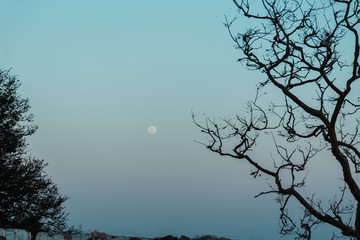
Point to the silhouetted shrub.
(168, 237)
(209, 237)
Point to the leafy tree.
(308, 52)
(28, 198)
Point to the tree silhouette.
(309, 53)
(28, 198)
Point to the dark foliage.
(171, 237)
(209, 237)
(28, 198)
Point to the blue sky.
(97, 74)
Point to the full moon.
(152, 130)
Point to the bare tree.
(309, 50)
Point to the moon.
(152, 130)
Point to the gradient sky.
(97, 74)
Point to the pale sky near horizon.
(98, 74)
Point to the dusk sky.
(98, 74)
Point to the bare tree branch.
(299, 47)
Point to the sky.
(98, 74)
